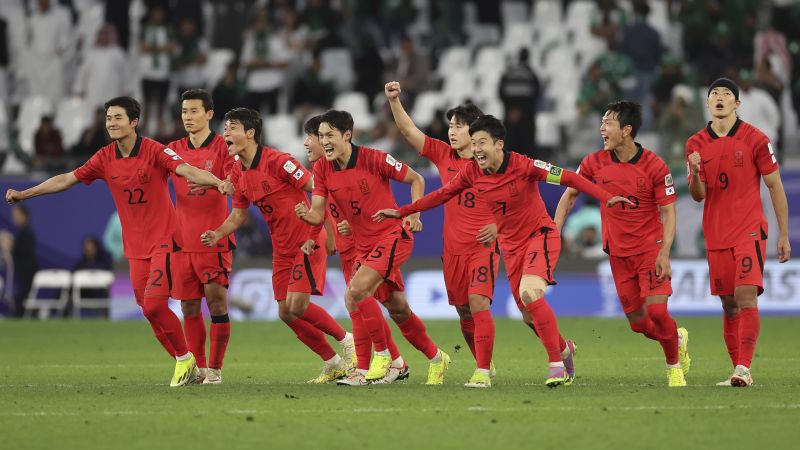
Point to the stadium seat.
(425, 107)
(459, 86)
(90, 279)
(30, 117)
(53, 280)
(216, 65)
(73, 115)
(281, 132)
(517, 36)
(546, 13)
(357, 104)
(337, 66)
(547, 134)
(453, 59)
(514, 12)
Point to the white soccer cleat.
(356, 378)
(349, 351)
(741, 377)
(201, 376)
(394, 374)
(726, 382)
(213, 376)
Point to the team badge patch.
(265, 185)
(390, 160)
(641, 185)
(209, 165)
(668, 180)
(541, 164)
(398, 166)
(671, 190)
(299, 174)
(289, 167)
(144, 177)
(738, 159)
(363, 186)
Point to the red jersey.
(202, 210)
(512, 194)
(138, 185)
(360, 190)
(732, 167)
(645, 180)
(274, 182)
(344, 243)
(463, 216)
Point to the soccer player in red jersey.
(357, 180)
(727, 160)
(275, 182)
(136, 169)
(636, 240)
(346, 245)
(470, 256)
(202, 271)
(507, 183)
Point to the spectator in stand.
(93, 138)
(311, 92)
(23, 256)
(677, 123)
(370, 82)
(93, 257)
(759, 109)
(104, 72)
(596, 92)
(412, 70)
(607, 20)
(642, 44)
(156, 45)
(519, 91)
(265, 56)
(323, 23)
(670, 74)
(228, 94)
(192, 53)
(50, 33)
(47, 146)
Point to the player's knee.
(357, 292)
(286, 315)
(297, 309)
(191, 308)
(152, 309)
(464, 312)
(218, 308)
(657, 312)
(531, 295)
(478, 303)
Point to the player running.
(470, 256)
(346, 245)
(202, 271)
(727, 160)
(636, 240)
(357, 178)
(275, 182)
(136, 169)
(507, 183)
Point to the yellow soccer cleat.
(479, 380)
(185, 372)
(437, 369)
(556, 376)
(683, 350)
(378, 367)
(675, 377)
(330, 373)
(349, 352)
(492, 369)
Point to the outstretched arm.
(430, 201)
(200, 177)
(413, 135)
(565, 206)
(781, 207)
(52, 185)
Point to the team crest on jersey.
(265, 185)
(289, 167)
(641, 185)
(738, 159)
(363, 186)
(209, 164)
(512, 188)
(144, 177)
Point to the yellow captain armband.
(554, 175)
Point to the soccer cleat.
(356, 378)
(378, 367)
(201, 376)
(330, 373)
(675, 377)
(213, 376)
(436, 370)
(349, 352)
(741, 377)
(556, 376)
(569, 362)
(683, 350)
(479, 380)
(185, 372)
(492, 369)
(726, 382)
(394, 374)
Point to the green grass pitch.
(82, 385)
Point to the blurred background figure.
(156, 45)
(519, 91)
(24, 258)
(265, 56)
(105, 70)
(48, 147)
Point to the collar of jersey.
(134, 152)
(636, 157)
(503, 165)
(256, 160)
(731, 132)
(205, 143)
(351, 163)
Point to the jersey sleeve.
(461, 181)
(239, 199)
(542, 171)
(227, 164)
(168, 159)
(93, 169)
(586, 170)
(663, 184)
(764, 157)
(387, 166)
(293, 172)
(434, 149)
(320, 180)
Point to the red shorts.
(302, 274)
(737, 266)
(151, 277)
(194, 270)
(472, 274)
(635, 279)
(386, 257)
(540, 259)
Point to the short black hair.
(199, 94)
(339, 120)
(131, 106)
(312, 125)
(466, 113)
(627, 113)
(249, 118)
(489, 124)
